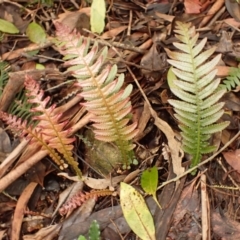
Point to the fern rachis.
(192, 79)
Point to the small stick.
(202, 163)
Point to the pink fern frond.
(100, 88)
(78, 199)
(49, 131)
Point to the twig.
(230, 177)
(202, 163)
(116, 44)
(12, 157)
(214, 9)
(130, 23)
(205, 209)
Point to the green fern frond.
(21, 108)
(192, 80)
(101, 90)
(93, 233)
(232, 80)
(3, 75)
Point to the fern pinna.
(101, 90)
(192, 79)
(232, 80)
(45, 130)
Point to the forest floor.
(40, 199)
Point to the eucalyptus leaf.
(98, 13)
(36, 33)
(7, 27)
(136, 212)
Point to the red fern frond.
(78, 199)
(49, 132)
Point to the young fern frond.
(101, 90)
(49, 132)
(192, 80)
(232, 80)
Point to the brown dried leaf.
(113, 32)
(174, 145)
(19, 211)
(103, 183)
(233, 159)
(47, 233)
(233, 8)
(192, 6)
(37, 173)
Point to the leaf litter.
(131, 29)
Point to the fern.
(93, 233)
(232, 80)
(49, 132)
(101, 90)
(192, 79)
(3, 75)
(21, 107)
(78, 199)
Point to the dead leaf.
(174, 145)
(5, 143)
(37, 173)
(192, 6)
(232, 101)
(225, 227)
(226, 136)
(103, 183)
(188, 203)
(131, 176)
(232, 22)
(233, 8)
(233, 159)
(142, 122)
(19, 211)
(7, 206)
(155, 59)
(2, 233)
(75, 20)
(113, 32)
(47, 233)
